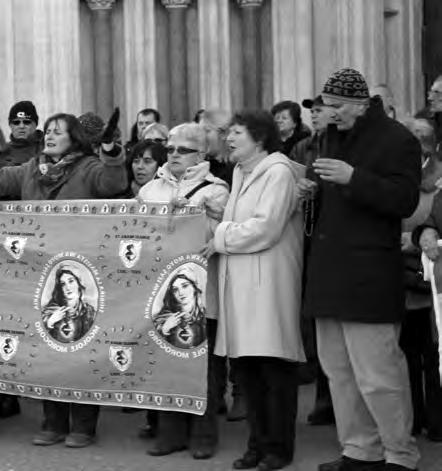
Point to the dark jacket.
(434, 220)
(298, 135)
(355, 268)
(435, 120)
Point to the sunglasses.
(157, 140)
(17, 122)
(180, 150)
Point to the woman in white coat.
(260, 242)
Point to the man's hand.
(428, 243)
(307, 188)
(333, 170)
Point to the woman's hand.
(179, 202)
(307, 188)
(172, 321)
(428, 243)
(57, 316)
(214, 209)
(208, 250)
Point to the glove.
(109, 130)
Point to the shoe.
(238, 410)
(397, 467)
(349, 464)
(250, 460)
(322, 416)
(9, 406)
(203, 452)
(47, 438)
(78, 440)
(146, 431)
(270, 462)
(164, 450)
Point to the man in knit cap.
(368, 180)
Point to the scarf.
(51, 172)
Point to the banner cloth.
(103, 302)
(433, 273)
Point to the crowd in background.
(313, 237)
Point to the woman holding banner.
(260, 246)
(68, 169)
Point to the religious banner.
(103, 302)
(433, 273)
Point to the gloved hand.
(109, 131)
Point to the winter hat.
(93, 127)
(309, 103)
(23, 110)
(346, 85)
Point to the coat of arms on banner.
(15, 246)
(130, 251)
(121, 357)
(8, 346)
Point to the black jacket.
(355, 268)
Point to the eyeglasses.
(180, 150)
(17, 122)
(157, 140)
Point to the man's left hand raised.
(333, 170)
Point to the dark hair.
(157, 116)
(158, 152)
(57, 293)
(198, 115)
(293, 108)
(170, 303)
(80, 142)
(261, 127)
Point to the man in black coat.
(368, 181)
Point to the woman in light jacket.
(260, 242)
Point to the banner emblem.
(121, 357)
(77, 394)
(15, 246)
(57, 392)
(21, 388)
(140, 398)
(158, 400)
(98, 396)
(179, 401)
(119, 396)
(130, 251)
(8, 346)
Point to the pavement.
(119, 449)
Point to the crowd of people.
(313, 241)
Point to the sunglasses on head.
(157, 140)
(180, 150)
(17, 122)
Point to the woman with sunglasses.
(186, 178)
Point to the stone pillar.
(102, 34)
(293, 54)
(177, 60)
(251, 52)
(214, 54)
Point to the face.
(143, 120)
(144, 168)
(214, 137)
(184, 292)
(321, 117)
(344, 114)
(22, 128)
(241, 144)
(155, 136)
(57, 139)
(285, 122)
(435, 97)
(181, 155)
(69, 287)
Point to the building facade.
(182, 55)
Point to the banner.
(433, 273)
(103, 302)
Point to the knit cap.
(346, 85)
(93, 127)
(23, 110)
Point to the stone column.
(102, 34)
(177, 60)
(214, 54)
(251, 52)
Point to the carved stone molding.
(100, 4)
(176, 3)
(249, 3)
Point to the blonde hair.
(193, 133)
(158, 127)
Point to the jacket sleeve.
(433, 221)
(220, 195)
(108, 174)
(264, 228)
(11, 179)
(394, 193)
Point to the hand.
(57, 316)
(179, 202)
(428, 243)
(406, 243)
(109, 131)
(208, 250)
(2, 141)
(307, 188)
(214, 209)
(172, 321)
(333, 170)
